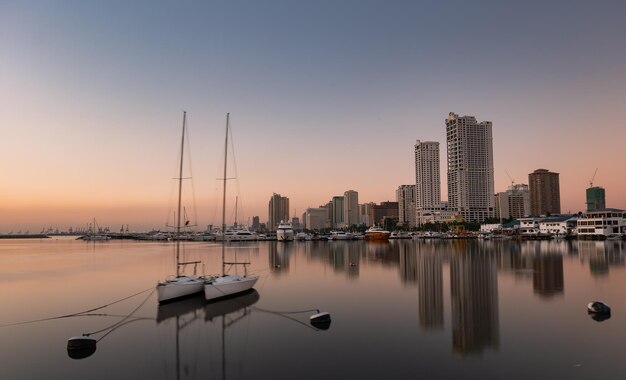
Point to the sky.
(324, 97)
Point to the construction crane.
(511, 178)
(592, 178)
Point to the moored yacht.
(377, 233)
(284, 232)
(340, 235)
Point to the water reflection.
(474, 295)
(601, 255)
(430, 279)
(279, 255)
(548, 275)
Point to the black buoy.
(321, 320)
(598, 307)
(80, 347)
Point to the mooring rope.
(79, 313)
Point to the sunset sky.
(324, 96)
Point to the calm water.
(404, 310)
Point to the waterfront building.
(337, 211)
(386, 210)
(427, 179)
(351, 208)
(513, 203)
(256, 223)
(545, 198)
(405, 195)
(558, 224)
(470, 168)
(315, 218)
(366, 217)
(595, 198)
(278, 210)
(602, 223)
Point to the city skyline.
(321, 101)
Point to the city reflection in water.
(430, 280)
(474, 291)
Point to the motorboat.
(237, 235)
(400, 235)
(303, 236)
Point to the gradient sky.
(325, 96)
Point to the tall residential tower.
(545, 195)
(470, 168)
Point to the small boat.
(598, 307)
(400, 235)
(284, 231)
(340, 235)
(377, 233)
(303, 236)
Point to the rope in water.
(79, 313)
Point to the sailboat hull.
(228, 285)
(179, 287)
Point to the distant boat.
(377, 233)
(284, 232)
(227, 285)
(180, 285)
(94, 233)
(340, 235)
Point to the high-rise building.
(386, 210)
(256, 223)
(315, 218)
(545, 195)
(470, 168)
(278, 210)
(513, 203)
(337, 211)
(595, 199)
(427, 180)
(351, 208)
(366, 217)
(405, 195)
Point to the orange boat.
(377, 233)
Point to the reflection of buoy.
(321, 320)
(80, 347)
(277, 266)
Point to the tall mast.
(180, 189)
(224, 195)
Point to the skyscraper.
(351, 208)
(470, 167)
(405, 195)
(278, 210)
(427, 180)
(545, 195)
(337, 211)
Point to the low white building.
(602, 223)
(560, 224)
(529, 226)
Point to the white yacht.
(284, 232)
(239, 235)
(340, 235)
(303, 236)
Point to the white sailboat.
(227, 284)
(180, 285)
